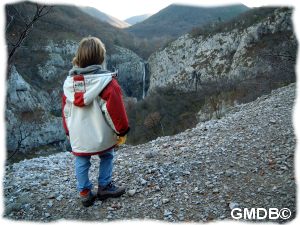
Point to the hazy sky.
(125, 9)
(122, 9)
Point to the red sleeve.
(114, 109)
(63, 114)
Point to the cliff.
(38, 68)
(249, 47)
(131, 68)
(33, 105)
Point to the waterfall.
(144, 79)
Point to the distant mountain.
(104, 17)
(176, 20)
(137, 19)
(69, 23)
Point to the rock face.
(263, 50)
(131, 69)
(59, 59)
(33, 110)
(46, 75)
(245, 159)
(28, 115)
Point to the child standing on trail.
(94, 119)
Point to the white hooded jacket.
(89, 105)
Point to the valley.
(188, 78)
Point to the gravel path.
(245, 160)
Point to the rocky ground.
(245, 160)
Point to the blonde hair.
(91, 51)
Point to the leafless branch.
(19, 127)
(40, 11)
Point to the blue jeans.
(82, 166)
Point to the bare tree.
(22, 136)
(13, 14)
(283, 61)
(21, 128)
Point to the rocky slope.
(29, 114)
(245, 159)
(33, 101)
(259, 45)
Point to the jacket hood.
(93, 69)
(83, 85)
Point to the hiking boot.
(87, 197)
(110, 191)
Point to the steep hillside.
(176, 20)
(42, 63)
(257, 49)
(104, 17)
(137, 19)
(245, 159)
(69, 23)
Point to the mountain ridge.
(105, 17)
(137, 19)
(176, 19)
